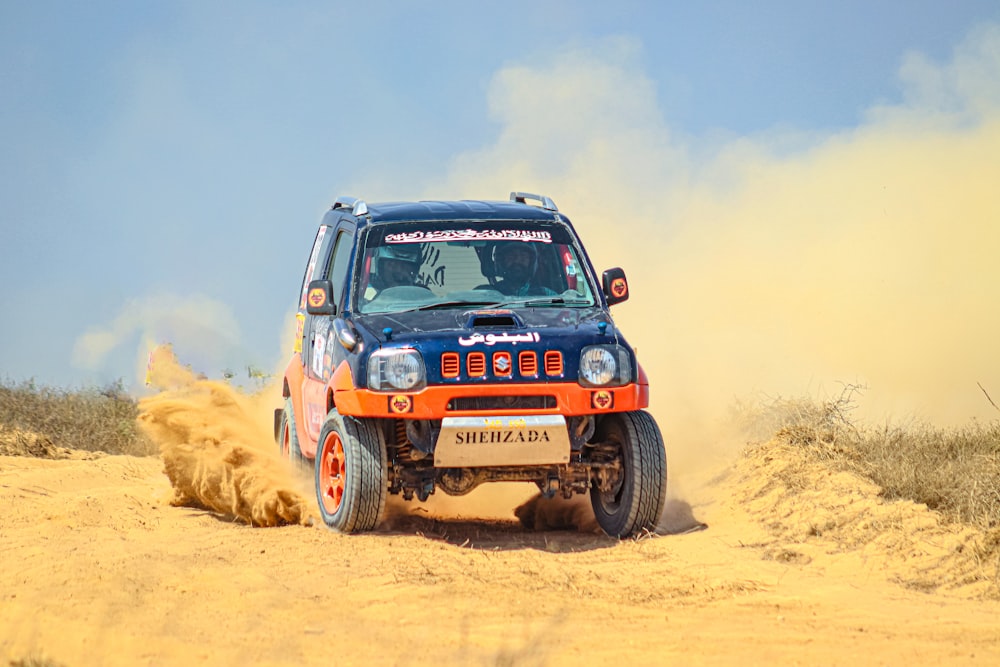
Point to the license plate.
(501, 441)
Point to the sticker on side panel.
(319, 349)
(328, 357)
(300, 325)
(603, 399)
(401, 404)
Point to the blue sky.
(165, 164)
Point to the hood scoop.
(494, 319)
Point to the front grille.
(502, 364)
(553, 363)
(475, 364)
(450, 365)
(484, 403)
(527, 363)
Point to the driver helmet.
(515, 262)
(396, 265)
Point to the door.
(321, 351)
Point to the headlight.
(604, 366)
(396, 369)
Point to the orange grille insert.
(527, 362)
(450, 365)
(475, 364)
(553, 362)
(503, 364)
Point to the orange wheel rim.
(333, 473)
(286, 440)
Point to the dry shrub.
(91, 419)
(797, 420)
(955, 472)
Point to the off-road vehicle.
(441, 345)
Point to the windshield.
(411, 265)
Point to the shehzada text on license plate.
(492, 441)
(495, 431)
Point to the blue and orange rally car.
(441, 345)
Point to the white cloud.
(964, 90)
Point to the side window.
(339, 264)
(311, 331)
(311, 266)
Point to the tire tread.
(367, 480)
(648, 472)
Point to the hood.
(418, 325)
(559, 334)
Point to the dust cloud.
(206, 329)
(556, 513)
(218, 448)
(784, 264)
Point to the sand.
(105, 562)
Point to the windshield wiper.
(453, 304)
(529, 302)
(544, 301)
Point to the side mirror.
(319, 298)
(615, 286)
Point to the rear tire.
(288, 437)
(351, 473)
(635, 502)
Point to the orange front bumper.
(432, 402)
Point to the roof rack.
(357, 206)
(521, 197)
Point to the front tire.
(351, 473)
(634, 502)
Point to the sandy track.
(97, 568)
